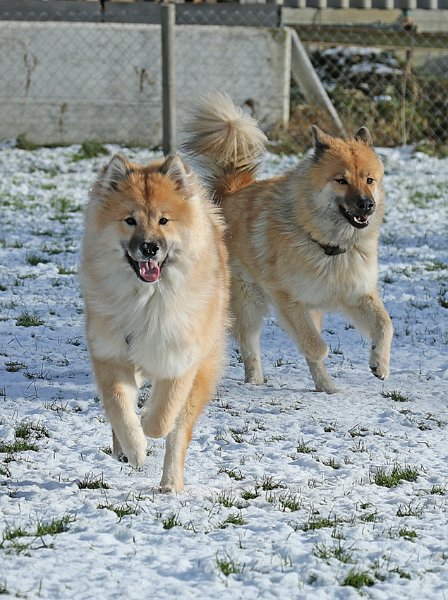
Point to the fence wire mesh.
(70, 82)
(391, 78)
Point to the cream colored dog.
(155, 284)
(307, 242)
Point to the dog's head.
(350, 174)
(145, 212)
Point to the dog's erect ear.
(117, 170)
(321, 140)
(363, 135)
(177, 171)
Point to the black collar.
(329, 249)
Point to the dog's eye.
(342, 181)
(370, 180)
(163, 221)
(131, 221)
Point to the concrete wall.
(72, 82)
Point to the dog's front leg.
(163, 416)
(167, 398)
(370, 316)
(298, 321)
(321, 378)
(179, 437)
(304, 325)
(118, 391)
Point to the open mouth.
(148, 271)
(358, 221)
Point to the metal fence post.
(168, 20)
(305, 75)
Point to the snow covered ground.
(289, 494)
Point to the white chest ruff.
(336, 281)
(148, 330)
(161, 348)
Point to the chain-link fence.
(393, 80)
(71, 72)
(392, 77)
(70, 82)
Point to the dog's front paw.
(326, 386)
(379, 362)
(253, 373)
(170, 488)
(134, 452)
(167, 489)
(380, 371)
(255, 379)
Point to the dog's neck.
(329, 249)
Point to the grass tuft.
(64, 271)
(27, 319)
(229, 501)
(54, 526)
(394, 395)
(358, 579)
(268, 483)
(232, 473)
(408, 534)
(121, 510)
(12, 534)
(250, 494)
(19, 445)
(409, 510)
(90, 149)
(290, 502)
(395, 476)
(337, 551)
(233, 519)
(35, 259)
(13, 366)
(171, 521)
(90, 482)
(320, 523)
(303, 448)
(29, 429)
(228, 566)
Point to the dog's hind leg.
(249, 306)
(179, 437)
(118, 391)
(370, 317)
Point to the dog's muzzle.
(359, 216)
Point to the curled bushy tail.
(227, 138)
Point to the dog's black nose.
(365, 205)
(149, 249)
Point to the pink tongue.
(149, 271)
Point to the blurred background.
(78, 71)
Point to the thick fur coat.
(306, 242)
(154, 278)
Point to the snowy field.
(290, 494)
